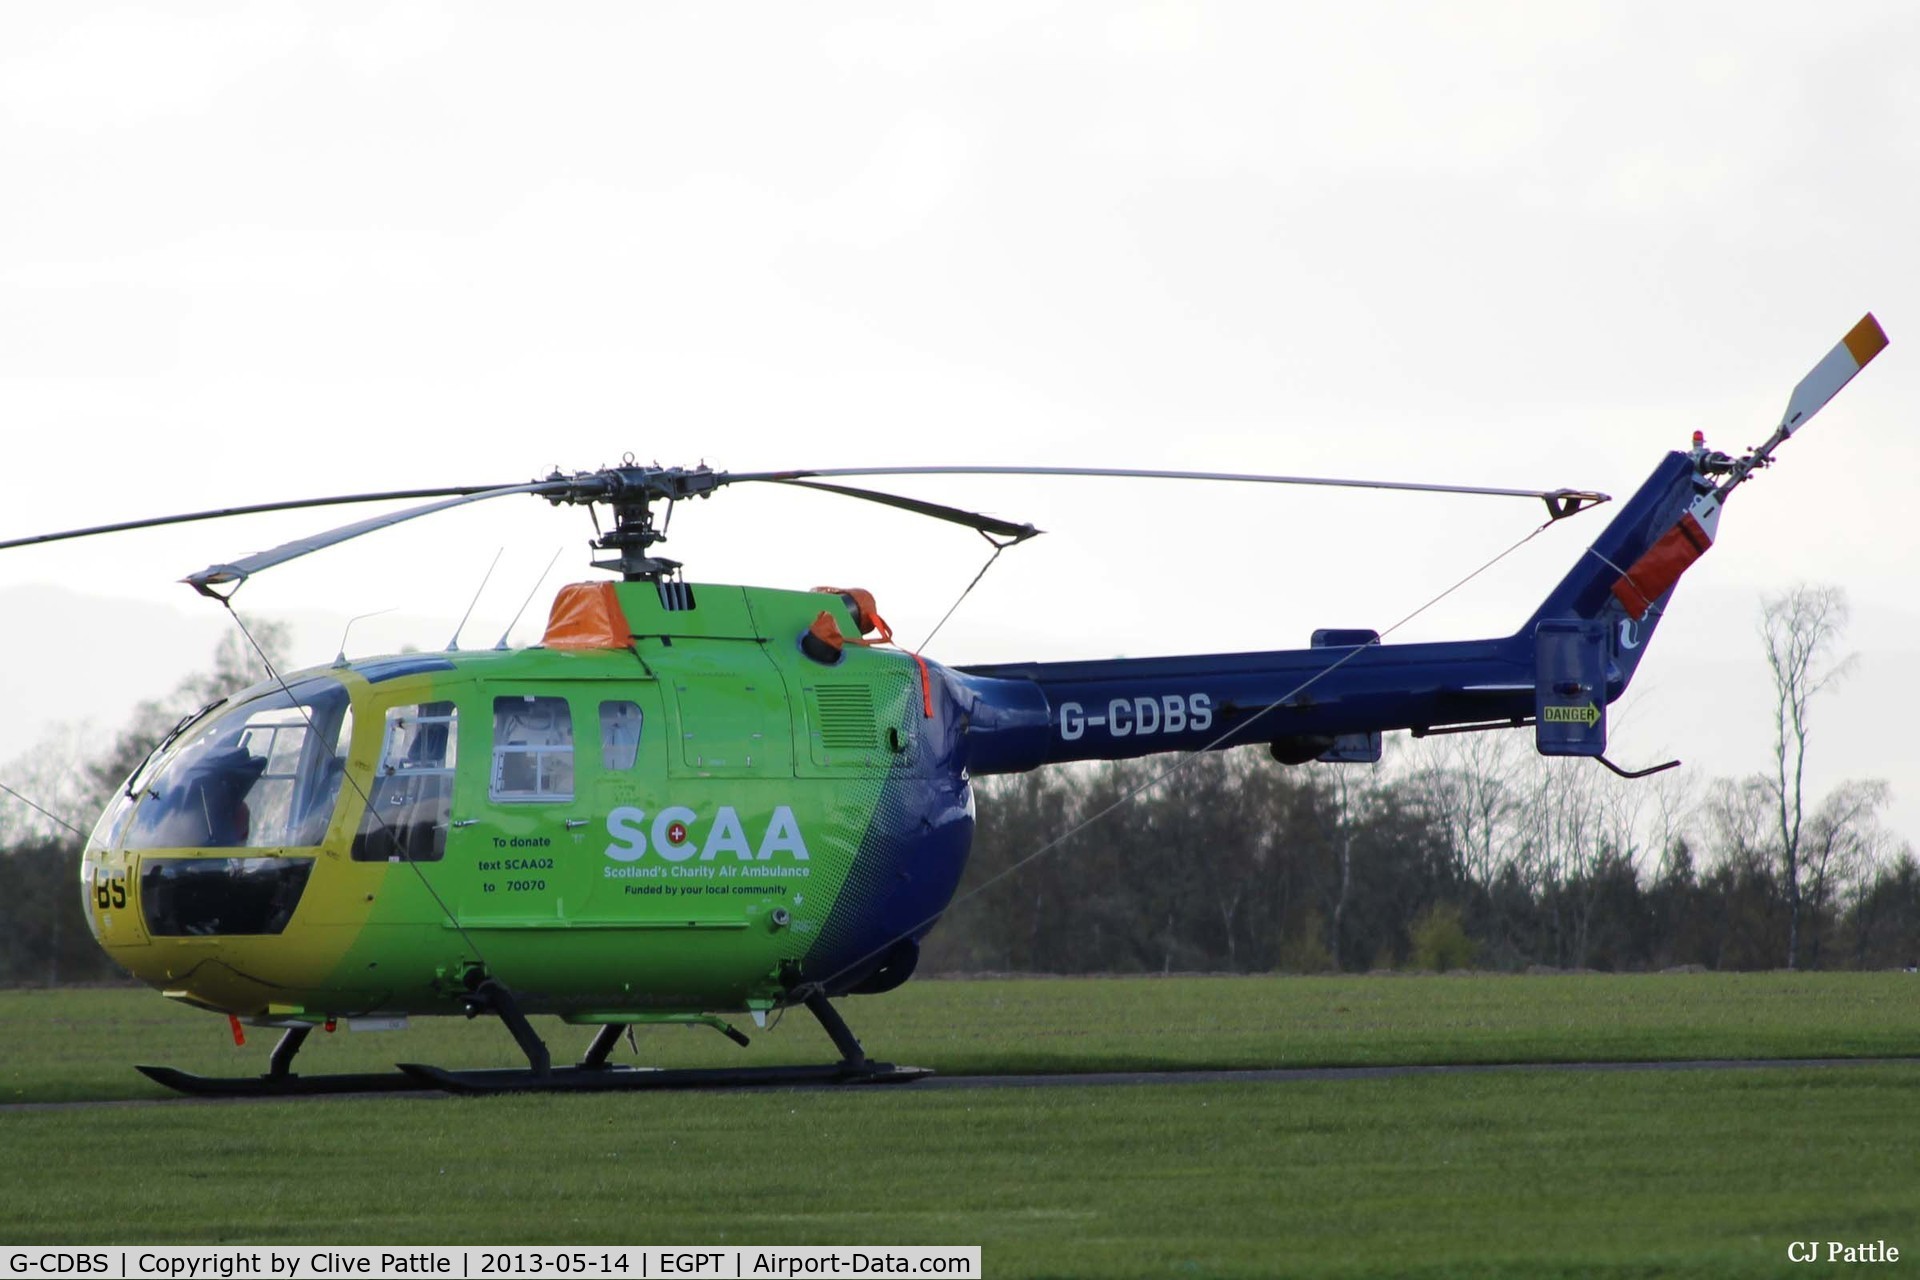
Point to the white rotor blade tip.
(1862, 343)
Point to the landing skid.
(610, 1079)
(591, 1075)
(285, 1086)
(280, 1081)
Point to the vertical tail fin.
(1626, 577)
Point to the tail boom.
(1300, 701)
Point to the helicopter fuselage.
(695, 820)
(683, 802)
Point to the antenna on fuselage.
(454, 643)
(340, 659)
(529, 600)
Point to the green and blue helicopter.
(693, 801)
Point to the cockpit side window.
(412, 798)
(262, 774)
(619, 735)
(532, 749)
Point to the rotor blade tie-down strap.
(867, 618)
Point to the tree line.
(1456, 850)
(1453, 853)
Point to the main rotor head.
(630, 491)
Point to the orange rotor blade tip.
(1866, 339)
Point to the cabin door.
(554, 760)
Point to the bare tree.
(1802, 629)
(1738, 814)
(1473, 786)
(49, 796)
(1844, 839)
(1563, 820)
(1339, 833)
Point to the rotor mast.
(630, 492)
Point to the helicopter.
(691, 801)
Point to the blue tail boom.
(1301, 701)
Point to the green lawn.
(1656, 1173)
(1508, 1174)
(81, 1044)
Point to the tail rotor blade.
(1835, 370)
(1823, 382)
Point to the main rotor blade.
(1836, 369)
(1580, 497)
(402, 495)
(971, 519)
(240, 570)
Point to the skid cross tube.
(491, 997)
(604, 1040)
(851, 1054)
(280, 1063)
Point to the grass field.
(1515, 1174)
(80, 1044)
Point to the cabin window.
(263, 774)
(197, 897)
(532, 749)
(406, 819)
(619, 735)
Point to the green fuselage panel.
(664, 827)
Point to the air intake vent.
(844, 716)
(675, 596)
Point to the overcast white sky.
(261, 251)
